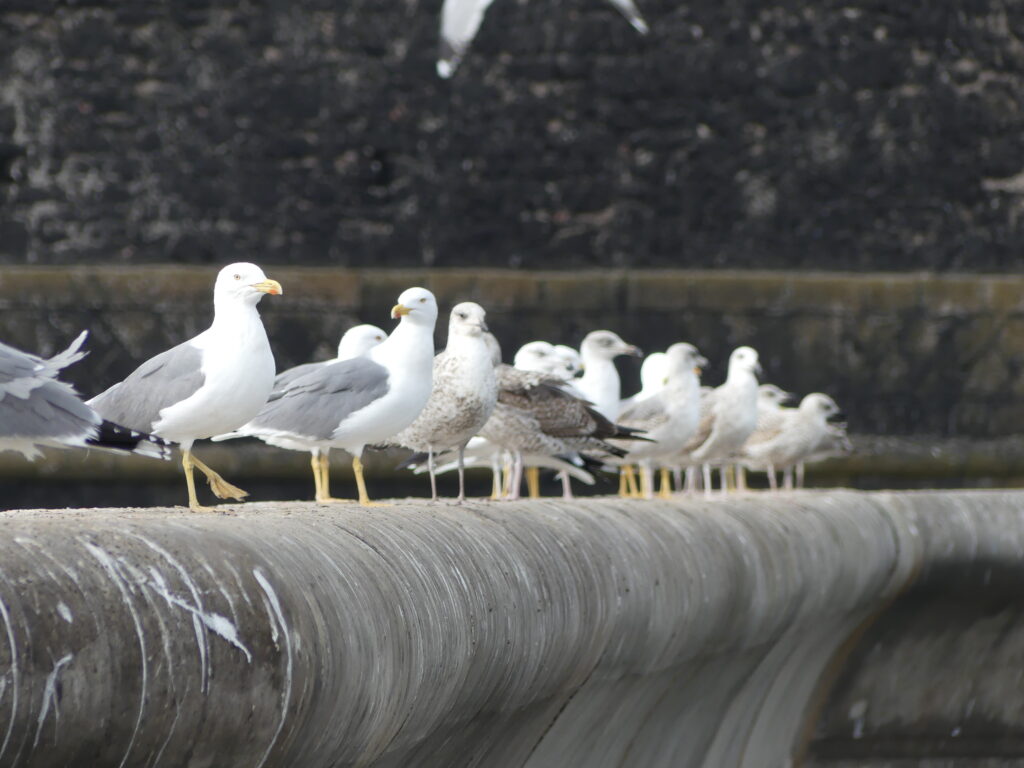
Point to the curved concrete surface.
(596, 633)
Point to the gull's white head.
(467, 319)
(358, 340)
(771, 396)
(417, 306)
(681, 358)
(570, 359)
(606, 345)
(654, 372)
(744, 359)
(819, 406)
(537, 356)
(243, 282)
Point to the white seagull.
(360, 401)
(37, 409)
(600, 383)
(729, 415)
(209, 384)
(465, 392)
(460, 20)
(794, 437)
(355, 342)
(669, 418)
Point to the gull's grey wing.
(314, 405)
(21, 372)
(645, 414)
(628, 9)
(49, 412)
(460, 20)
(285, 378)
(706, 423)
(161, 381)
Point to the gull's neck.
(410, 344)
(600, 383)
(231, 313)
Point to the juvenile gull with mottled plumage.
(464, 394)
(209, 384)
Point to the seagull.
(556, 360)
(464, 394)
(38, 409)
(793, 436)
(653, 377)
(535, 415)
(209, 384)
(460, 20)
(728, 415)
(770, 399)
(668, 418)
(833, 444)
(355, 342)
(600, 382)
(356, 402)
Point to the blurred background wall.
(839, 184)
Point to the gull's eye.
(423, 300)
(461, 315)
(237, 277)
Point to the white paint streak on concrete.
(220, 588)
(238, 582)
(65, 612)
(219, 625)
(197, 625)
(5, 614)
(50, 699)
(277, 617)
(110, 566)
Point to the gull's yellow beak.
(398, 310)
(269, 286)
(698, 370)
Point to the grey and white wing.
(38, 409)
(628, 9)
(460, 20)
(314, 405)
(285, 378)
(645, 414)
(161, 381)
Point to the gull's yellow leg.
(364, 499)
(665, 492)
(322, 471)
(193, 502)
(495, 483)
(623, 486)
(221, 487)
(632, 490)
(645, 483)
(507, 482)
(533, 482)
(314, 462)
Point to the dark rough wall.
(839, 134)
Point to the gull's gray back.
(161, 381)
(313, 405)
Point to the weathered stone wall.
(834, 134)
(594, 634)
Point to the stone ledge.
(487, 634)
